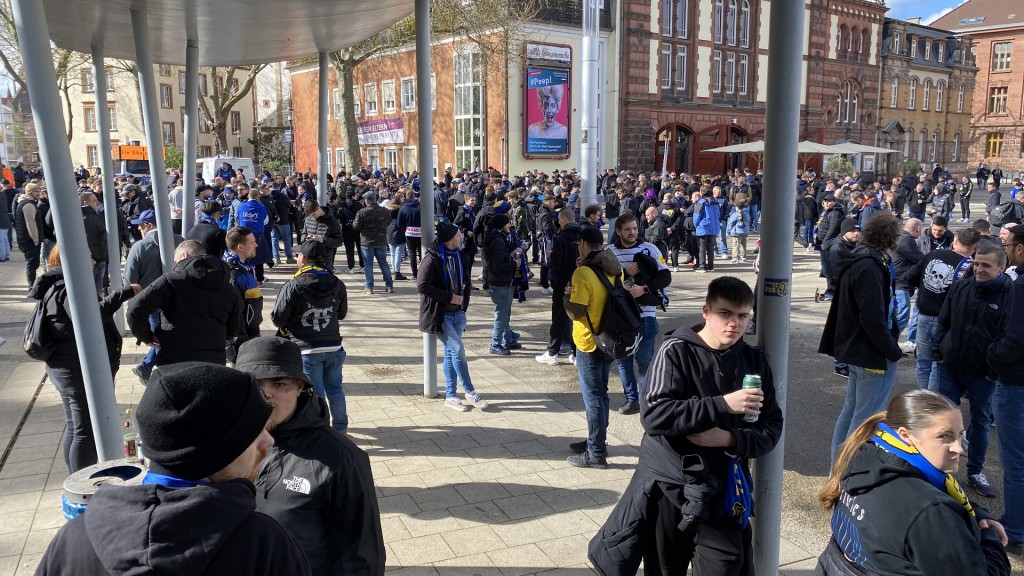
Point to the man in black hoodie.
(204, 428)
(907, 254)
(690, 498)
(861, 329)
(499, 269)
(308, 311)
(96, 238)
(562, 264)
(315, 481)
(199, 309)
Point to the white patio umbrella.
(853, 148)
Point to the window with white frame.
(730, 73)
(236, 151)
(934, 152)
(433, 91)
(357, 103)
(373, 158)
(236, 122)
(894, 94)
(913, 94)
(410, 161)
(181, 82)
(927, 94)
(956, 147)
(666, 17)
(341, 162)
(89, 114)
(960, 98)
(370, 93)
(468, 98)
(741, 74)
(941, 49)
(112, 111)
(907, 139)
(391, 159)
(730, 23)
(927, 49)
(408, 94)
(682, 18)
(913, 47)
(719, 21)
(666, 66)
(896, 43)
(168, 132)
(165, 96)
(921, 144)
(940, 94)
(94, 156)
(387, 89)
(681, 67)
(716, 72)
(745, 24)
(336, 94)
(435, 161)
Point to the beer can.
(751, 381)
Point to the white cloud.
(929, 19)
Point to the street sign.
(287, 135)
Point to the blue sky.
(928, 10)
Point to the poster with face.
(547, 112)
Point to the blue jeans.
(397, 252)
(866, 394)
(324, 371)
(380, 254)
(903, 307)
(1009, 405)
(723, 246)
(99, 272)
(918, 215)
(926, 346)
(633, 382)
(147, 363)
(5, 244)
(502, 298)
(755, 212)
(980, 392)
(809, 231)
(455, 365)
(593, 368)
(281, 232)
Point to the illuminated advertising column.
(547, 101)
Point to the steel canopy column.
(321, 141)
(191, 128)
(785, 61)
(110, 206)
(48, 116)
(154, 141)
(590, 88)
(425, 118)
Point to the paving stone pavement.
(485, 492)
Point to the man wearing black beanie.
(204, 431)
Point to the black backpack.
(42, 338)
(621, 329)
(1006, 213)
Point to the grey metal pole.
(785, 60)
(425, 117)
(154, 141)
(110, 206)
(191, 128)
(321, 141)
(589, 87)
(48, 116)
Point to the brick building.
(695, 77)
(927, 91)
(997, 122)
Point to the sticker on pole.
(777, 287)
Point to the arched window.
(719, 21)
(913, 94)
(956, 147)
(940, 94)
(863, 41)
(841, 37)
(855, 114)
(683, 18)
(848, 103)
(927, 94)
(960, 98)
(894, 96)
(849, 39)
(921, 144)
(730, 23)
(745, 24)
(933, 156)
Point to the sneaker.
(702, 271)
(140, 374)
(572, 358)
(455, 404)
(585, 460)
(499, 350)
(578, 447)
(629, 408)
(547, 291)
(401, 277)
(908, 347)
(514, 335)
(675, 268)
(513, 345)
(825, 298)
(357, 270)
(475, 399)
(546, 358)
(389, 290)
(734, 261)
(842, 372)
(980, 483)
(290, 260)
(367, 291)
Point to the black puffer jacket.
(564, 253)
(309, 308)
(199, 311)
(95, 234)
(891, 521)
(498, 262)
(973, 316)
(828, 228)
(319, 486)
(211, 235)
(907, 254)
(151, 529)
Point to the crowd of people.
(689, 389)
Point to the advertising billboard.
(547, 105)
(383, 131)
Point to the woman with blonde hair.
(896, 507)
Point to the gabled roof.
(893, 125)
(230, 32)
(983, 15)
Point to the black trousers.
(176, 226)
(352, 247)
(965, 207)
(714, 547)
(706, 248)
(31, 262)
(674, 242)
(559, 320)
(414, 248)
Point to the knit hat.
(847, 225)
(445, 231)
(271, 357)
(498, 221)
(196, 418)
(313, 250)
(591, 235)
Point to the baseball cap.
(147, 216)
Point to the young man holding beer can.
(704, 417)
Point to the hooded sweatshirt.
(585, 303)
(319, 486)
(891, 521)
(309, 308)
(199, 311)
(152, 529)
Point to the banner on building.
(547, 101)
(383, 131)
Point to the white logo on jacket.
(297, 484)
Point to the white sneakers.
(547, 291)
(908, 347)
(455, 404)
(547, 358)
(472, 397)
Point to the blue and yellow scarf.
(889, 441)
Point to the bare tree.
(221, 97)
(492, 25)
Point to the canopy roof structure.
(752, 147)
(805, 147)
(852, 148)
(230, 32)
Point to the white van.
(208, 167)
